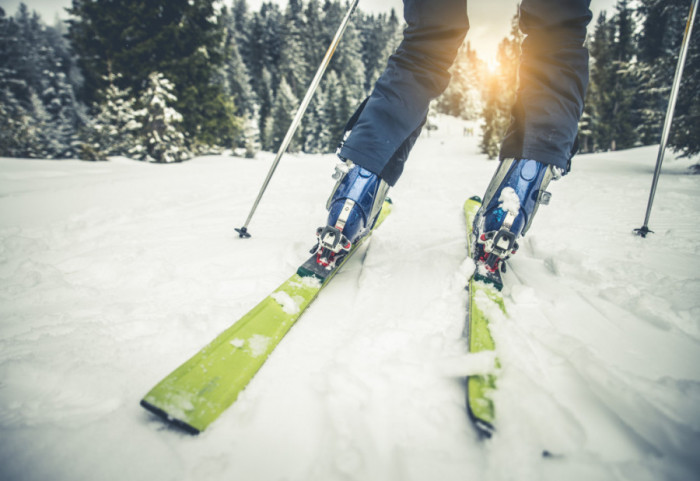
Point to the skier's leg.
(383, 130)
(541, 138)
(392, 118)
(553, 82)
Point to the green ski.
(483, 297)
(197, 392)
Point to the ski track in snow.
(112, 274)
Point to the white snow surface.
(114, 273)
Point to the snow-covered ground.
(112, 274)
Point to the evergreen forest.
(163, 81)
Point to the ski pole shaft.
(243, 231)
(644, 230)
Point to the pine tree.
(283, 110)
(315, 130)
(625, 88)
(265, 47)
(16, 131)
(182, 39)
(495, 115)
(266, 97)
(612, 102)
(313, 39)
(115, 127)
(462, 98)
(251, 135)
(292, 66)
(162, 141)
(599, 105)
(43, 142)
(347, 61)
(663, 24)
(262, 58)
(60, 103)
(336, 107)
(34, 69)
(236, 79)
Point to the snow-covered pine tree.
(336, 108)
(162, 141)
(43, 141)
(495, 115)
(251, 135)
(313, 38)
(181, 39)
(266, 98)
(35, 65)
(292, 67)
(585, 132)
(612, 101)
(315, 133)
(236, 79)
(601, 81)
(16, 132)
(58, 93)
(380, 35)
(663, 24)
(283, 110)
(263, 56)
(241, 22)
(114, 129)
(347, 61)
(462, 98)
(60, 103)
(625, 89)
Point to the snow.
(509, 201)
(288, 304)
(258, 345)
(113, 273)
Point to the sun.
(492, 65)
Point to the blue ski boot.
(510, 203)
(353, 208)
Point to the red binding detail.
(321, 262)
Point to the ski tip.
(166, 417)
(243, 233)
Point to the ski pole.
(243, 231)
(644, 230)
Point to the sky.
(489, 19)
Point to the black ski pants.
(549, 103)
